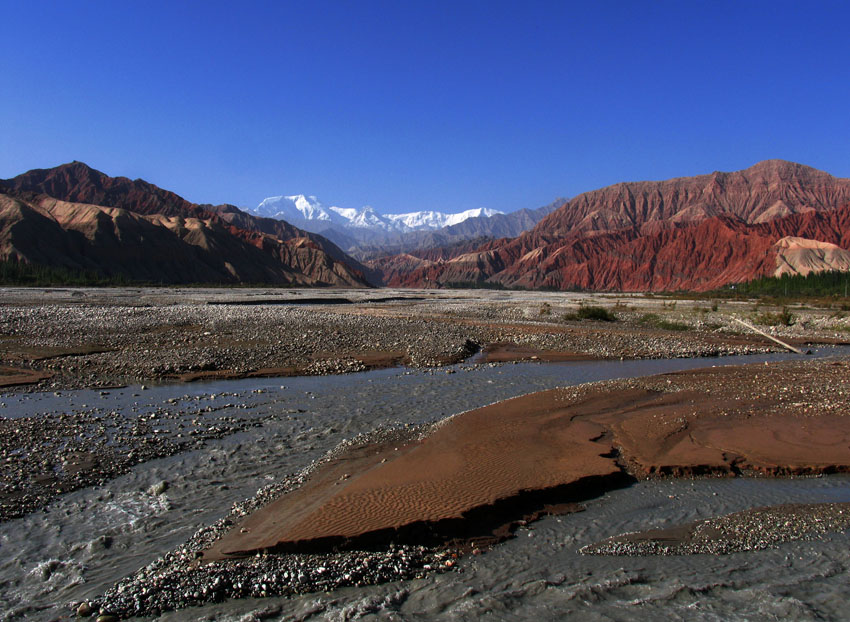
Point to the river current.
(87, 540)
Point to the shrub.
(648, 318)
(671, 325)
(783, 318)
(600, 314)
(653, 319)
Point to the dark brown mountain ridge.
(77, 182)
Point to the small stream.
(86, 540)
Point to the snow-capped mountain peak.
(296, 207)
(429, 219)
(363, 218)
(454, 219)
(413, 221)
(307, 212)
(309, 207)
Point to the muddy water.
(87, 540)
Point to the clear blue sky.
(408, 105)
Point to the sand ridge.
(470, 460)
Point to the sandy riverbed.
(473, 477)
(52, 341)
(77, 338)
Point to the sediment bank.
(702, 423)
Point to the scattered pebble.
(750, 530)
(176, 580)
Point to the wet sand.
(11, 376)
(424, 489)
(717, 421)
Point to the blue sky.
(421, 105)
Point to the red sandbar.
(471, 460)
(720, 421)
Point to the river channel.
(87, 540)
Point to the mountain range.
(686, 233)
(77, 218)
(692, 233)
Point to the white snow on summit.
(297, 207)
(308, 213)
(417, 221)
(414, 221)
(454, 219)
(363, 218)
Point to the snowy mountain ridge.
(307, 212)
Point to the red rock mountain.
(78, 218)
(686, 233)
(767, 190)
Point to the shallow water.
(87, 540)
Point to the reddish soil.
(470, 461)
(507, 352)
(11, 376)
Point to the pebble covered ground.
(750, 530)
(101, 338)
(47, 455)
